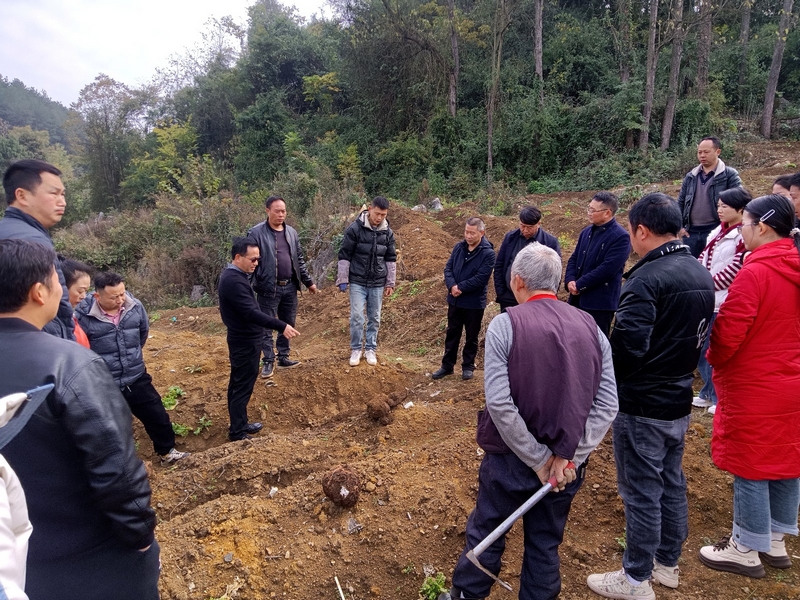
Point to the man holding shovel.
(550, 398)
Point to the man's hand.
(455, 292)
(573, 288)
(388, 291)
(563, 475)
(683, 233)
(342, 287)
(544, 473)
(313, 289)
(290, 332)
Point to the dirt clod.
(378, 410)
(342, 486)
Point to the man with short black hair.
(87, 492)
(117, 327)
(662, 320)
(529, 231)
(245, 322)
(466, 276)
(794, 193)
(35, 197)
(368, 264)
(700, 192)
(594, 271)
(280, 272)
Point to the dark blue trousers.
(504, 484)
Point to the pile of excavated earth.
(251, 519)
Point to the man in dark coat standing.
(36, 202)
(529, 231)
(466, 276)
(246, 323)
(594, 271)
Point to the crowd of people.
(716, 288)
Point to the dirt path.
(249, 520)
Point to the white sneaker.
(173, 456)
(701, 402)
(666, 576)
(725, 555)
(616, 585)
(712, 410)
(777, 557)
(372, 359)
(355, 358)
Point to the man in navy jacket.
(594, 271)
(529, 231)
(466, 276)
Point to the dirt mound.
(250, 520)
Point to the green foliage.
(170, 399)
(203, 423)
(432, 587)
(21, 106)
(181, 429)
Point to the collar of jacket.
(671, 247)
(720, 168)
(96, 312)
(363, 218)
(14, 324)
(12, 212)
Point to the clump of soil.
(379, 410)
(342, 486)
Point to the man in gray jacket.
(35, 196)
(277, 279)
(117, 327)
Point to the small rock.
(228, 557)
(436, 205)
(420, 208)
(370, 487)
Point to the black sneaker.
(286, 363)
(242, 437)
(253, 428)
(466, 374)
(266, 371)
(442, 372)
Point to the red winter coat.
(755, 352)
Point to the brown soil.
(250, 519)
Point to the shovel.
(473, 554)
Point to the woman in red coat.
(755, 352)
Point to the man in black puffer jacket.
(87, 491)
(368, 263)
(466, 276)
(117, 327)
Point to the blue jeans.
(763, 507)
(708, 392)
(371, 298)
(282, 305)
(650, 479)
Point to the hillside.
(249, 520)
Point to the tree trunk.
(744, 39)
(502, 19)
(456, 67)
(538, 9)
(625, 50)
(674, 73)
(650, 83)
(703, 48)
(775, 68)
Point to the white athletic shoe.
(701, 402)
(725, 555)
(666, 576)
(616, 585)
(355, 358)
(372, 360)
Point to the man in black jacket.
(277, 278)
(466, 276)
(594, 271)
(246, 323)
(700, 192)
(35, 196)
(87, 491)
(368, 264)
(662, 320)
(529, 231)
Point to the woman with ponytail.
(755, 353)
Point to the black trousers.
(504, 484)
(697, 238)
(470, 320)
(145, 403)
(283, 305)
(244, 372)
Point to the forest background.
(483, 100)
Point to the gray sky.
(59, 46)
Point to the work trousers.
(244, 372)
(282, 305)
(468, 319)
(145, 403)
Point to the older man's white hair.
(539, 267)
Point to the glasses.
(254, 260)
(591, 210)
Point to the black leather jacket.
(662, 321)
(266, 272)
(84, 484)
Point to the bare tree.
(704, 36)
(775, 68)
(625, 52)
(456, 66)
(538, 9)
(650, 81)
(674, 72)
(502, 20)
(744, 40)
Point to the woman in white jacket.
(723, 256)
